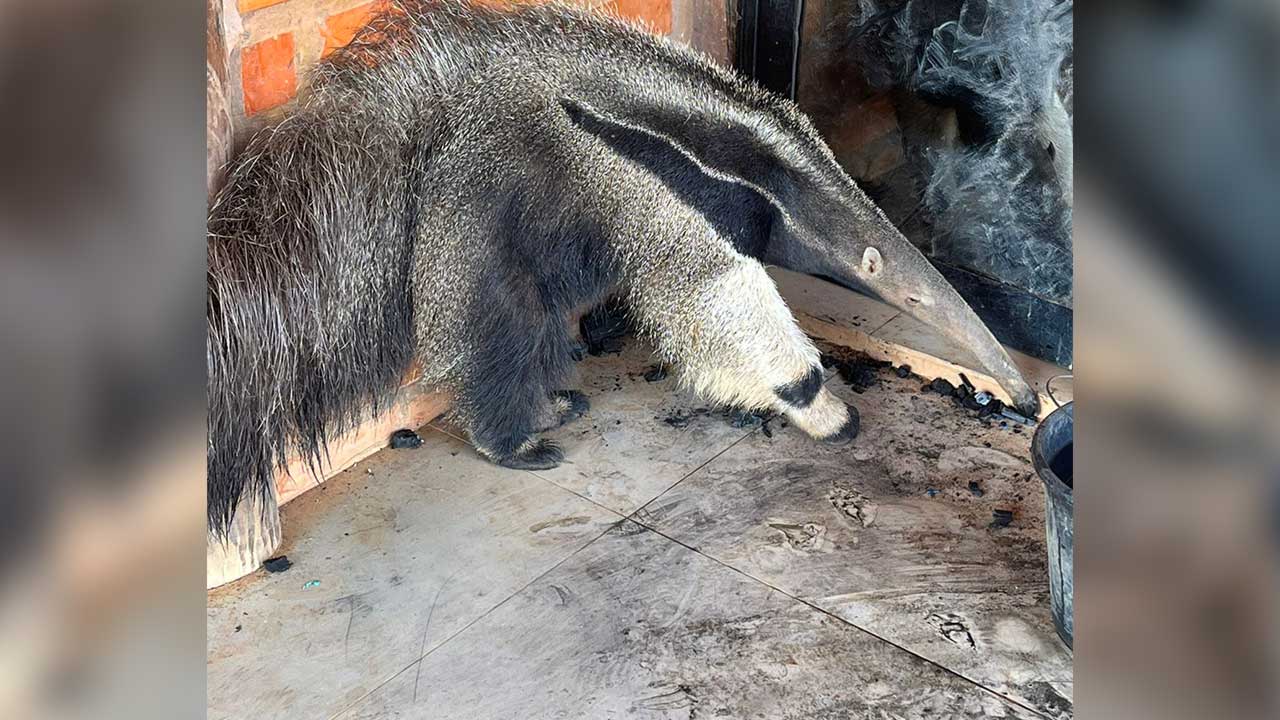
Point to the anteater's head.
(823, 224)
(754, 166)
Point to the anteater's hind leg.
(737, 343)
(514, 388)
(562, 408)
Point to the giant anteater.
(458, 180)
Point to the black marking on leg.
(848, 431)
(800, 393)
(540, 455)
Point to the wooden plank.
(416, 406)
(252, 538)
(886, 533)
(636, 626)
(405, 557)
(256, 533)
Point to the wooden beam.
(253, 536)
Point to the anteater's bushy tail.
(311, 246)
(310, 306)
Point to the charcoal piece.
(277, 564)
(943, 387)
(1001, 518)
(405, 439)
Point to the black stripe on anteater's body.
(458, 181)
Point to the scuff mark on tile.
(954, 628)
(562, 522)
(853, 504)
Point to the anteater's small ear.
(872, 263)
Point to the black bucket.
(1052, 452)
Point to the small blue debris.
(311, 584)
(931, 492)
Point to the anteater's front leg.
(736, 343)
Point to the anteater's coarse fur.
(458, 181)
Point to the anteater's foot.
(563, 407)
(825, 417)
(534, 455)
(569, 405)
(578, 351)
(848, 431)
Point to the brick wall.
(219, 124)
(271, 43)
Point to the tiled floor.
(672, 569)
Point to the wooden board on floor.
(256, 533)
(415, 407)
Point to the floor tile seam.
(468, 626)
(966, 679)
(632, 515)
(885, 324)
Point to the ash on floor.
(705, 567)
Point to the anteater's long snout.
(952, 316)
(927, 296)
(900, 274)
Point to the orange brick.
(339, 28)
(267, 74)
(251, 5)
(655, 13)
